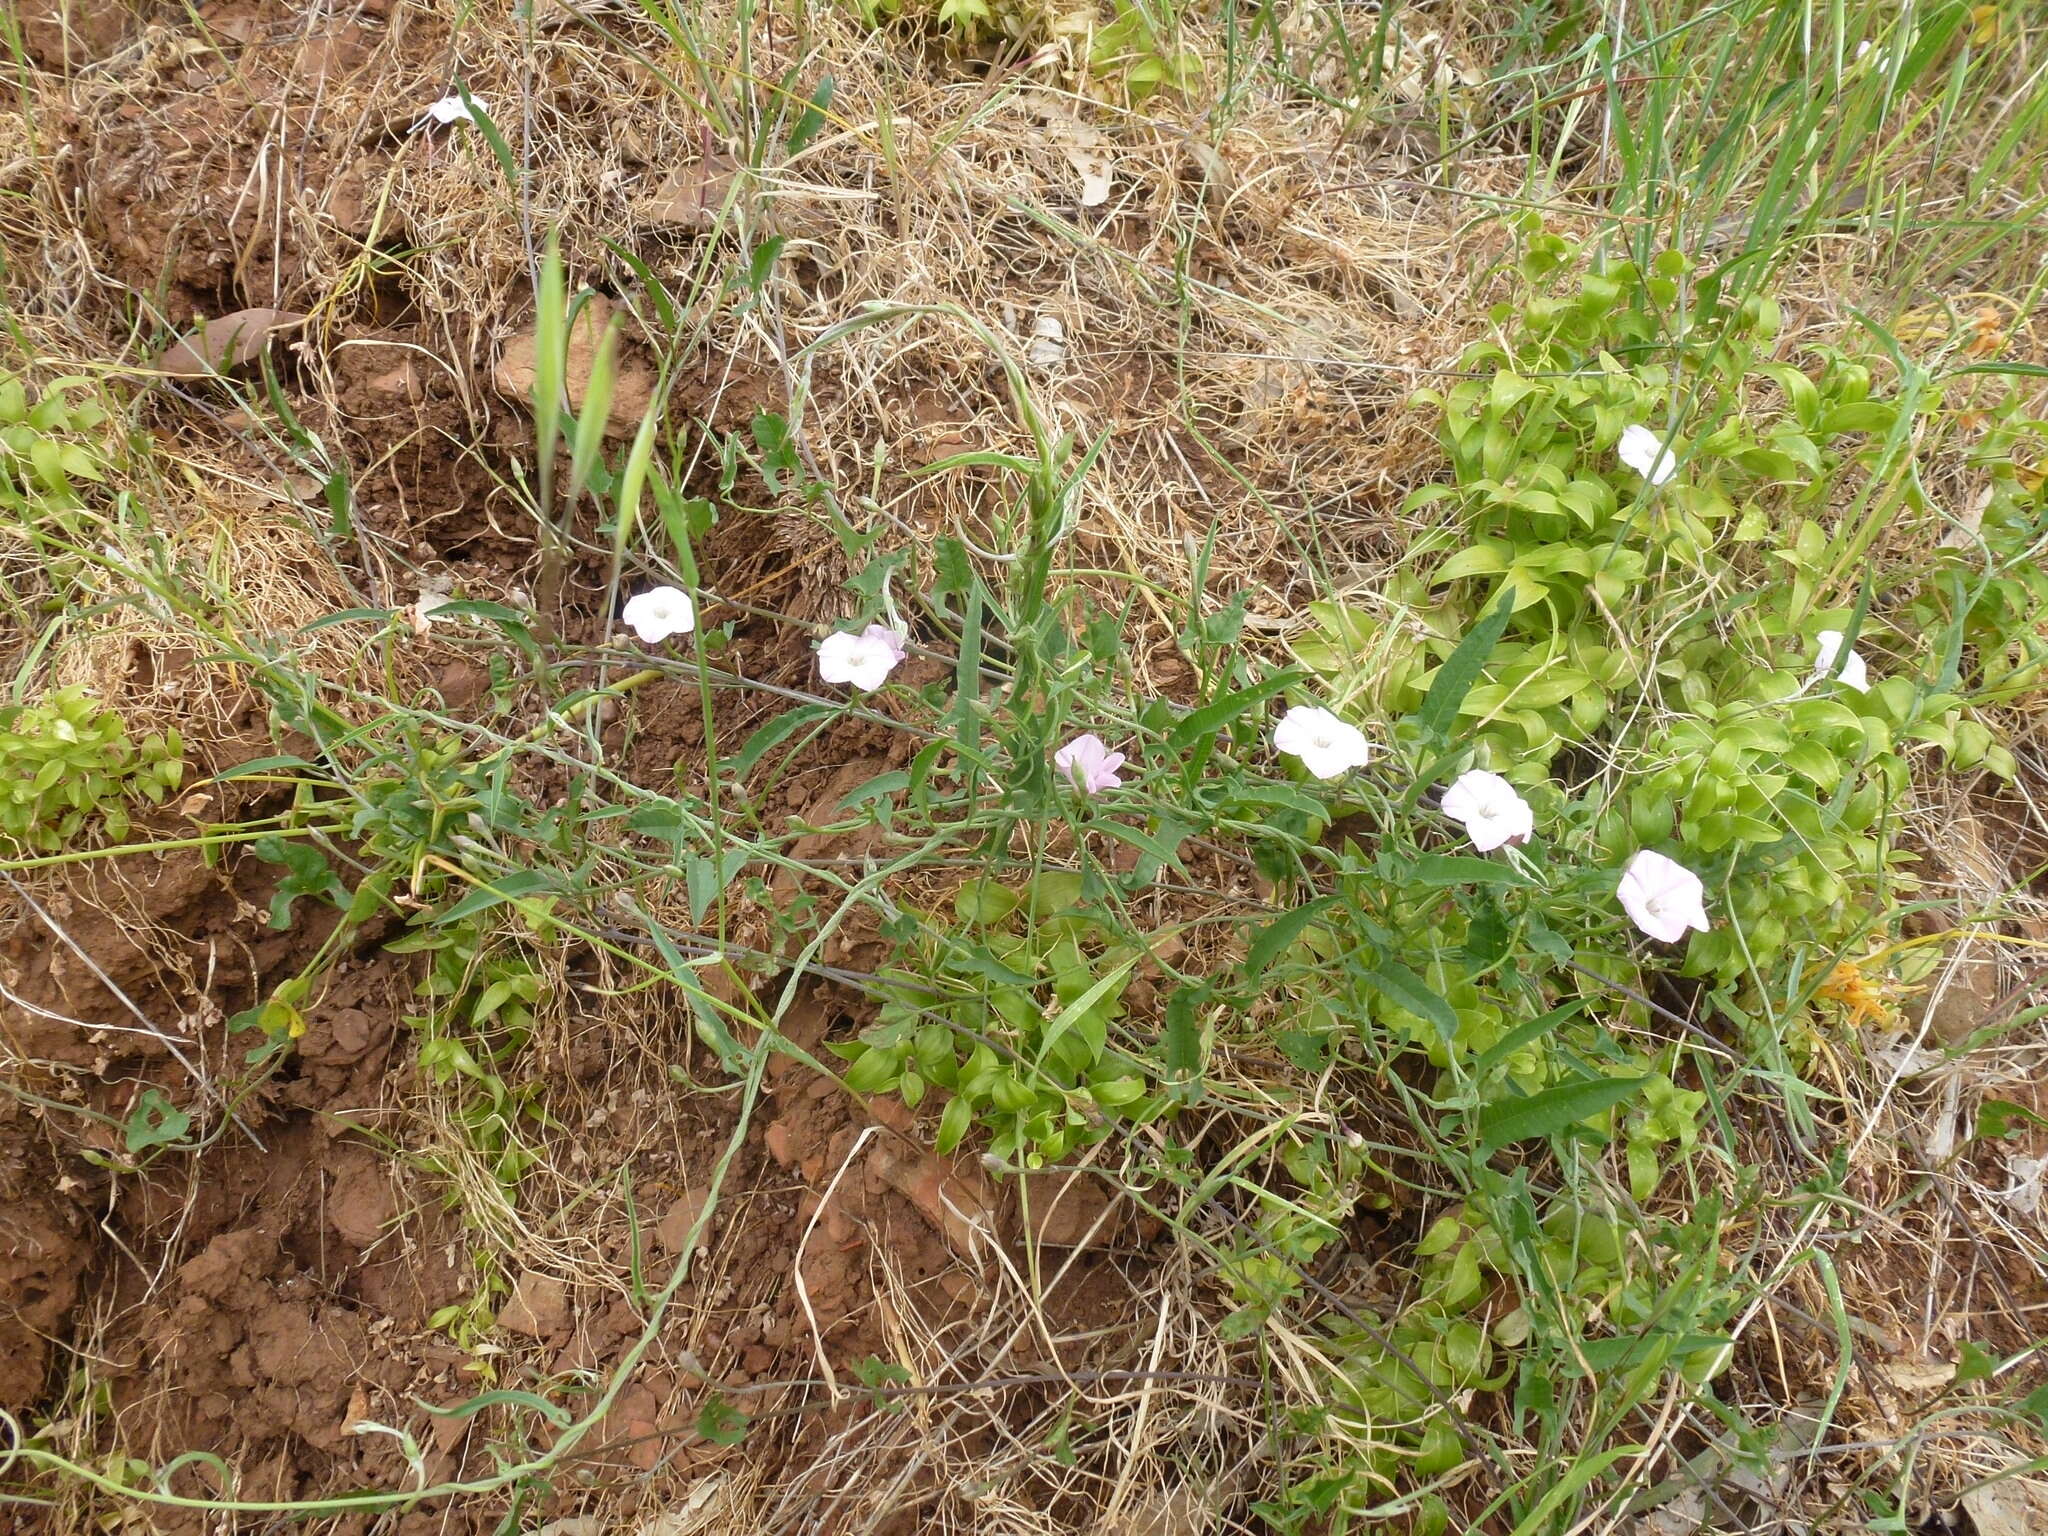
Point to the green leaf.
(953, 1124)
(550, 328)
(633, 479)
(875, 1374)
(2035, 1404)
(813, 117)
(1575, 1477)
(721, 1423)
(1506, 1121)
(508, 620)
(686, 519)
(155, 1121)
(2000, 1118)
(1522, 1034)
(774, 733)
(1405, 989)
(258, 765)
(777, 449)
(348, 616)
(763, 261)
(1075, 1011)
(879, 788)
(704, 878)
(984, 901)
(1184, 1032)
(500, 150)
(1164, 848)
(1211, 718)
(587, 447)
(876, 1070)
(1439, 870)
(1975, 1365)
(1454, 679)
(1474, 560)
(307, 874)
(520, 882)
(1276, 936)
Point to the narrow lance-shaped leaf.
(633, 478)
(550, 344)
(1454, 679)
(591, 420)
(1545, 1114)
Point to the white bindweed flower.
(1089, 764)
(1326, 746)
(1488, 808)
(1827, 648)
(451, 109)
(861, 661)
(1662, 897)
(1647, 454)
(657, 614)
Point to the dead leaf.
(1917, 1378)
(1179, 1511)
(1963, 533)
(2016, 1507)
(1096, 173)
(226, 343)
(693, 194)
(1048, 348)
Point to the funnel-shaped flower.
(1326, 745)
(1663, 897)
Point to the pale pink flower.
(451, 109)
(1827, 648)
(1327, 746)
(658, 613)
(1662, 897)
(862, 661)
(1488, 808)
(1089, 764)
(1647, 454)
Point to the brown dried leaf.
(693, 195)
(2016, 1507)
(226, 343)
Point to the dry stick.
(198, 1072)
(803, 1293)
(1144, 1416)
(1714, 1046)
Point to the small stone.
(538, 1307)
(781, 1142)
(674, 1227)
(633, 383)
(448, 1431)
(1069, 1210)
(951, 1195)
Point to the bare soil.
(259, 1301)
